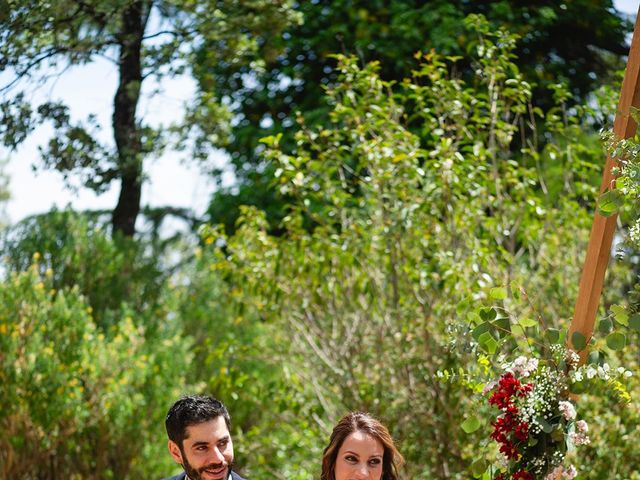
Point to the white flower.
(567, 409)
(591, 372)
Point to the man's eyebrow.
(225, 438)
(199, 444)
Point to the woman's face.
(359, 458)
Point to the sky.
(169, 181)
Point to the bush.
(77, 401)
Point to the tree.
(580, 42)
(409, 226)
(143, 39)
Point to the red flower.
(522, 475)
(507, 430)
(522, 432)
(509, 450)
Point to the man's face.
(207, 451)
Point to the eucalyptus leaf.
(579, 341)
(605, 326)
(634, 322)
(616, 340)
(609, 202)
(620, 314)
(544, 425)
(553, 335)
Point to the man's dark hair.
(193, 410)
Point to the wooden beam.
(603, 228)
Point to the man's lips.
(216, 472)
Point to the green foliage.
(77, 250)
(580, 42)
(416, 202)
(77, 401)
(411, 202)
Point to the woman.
(360, 447)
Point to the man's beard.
(196, 473)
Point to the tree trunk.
(126, 131)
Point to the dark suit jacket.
(183, 475)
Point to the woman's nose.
(361, 472)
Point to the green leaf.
(544, 425)
(488, 343)
(553, 335)
(527, 322)
(634, 322)
(502, 326)
(471, 424)
(479, 330)
(478, 467)
(621, 315)
(498, 293)
(579, 341)
(593, 357)
(605, 326)
(473, 318)
(488, 313)
(616, 340)
(609, 202)
(515, 292)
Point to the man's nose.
(217, 455)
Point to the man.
(199, 439)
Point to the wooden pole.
(603, 228)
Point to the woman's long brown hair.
(361, 422)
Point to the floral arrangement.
(536, 423)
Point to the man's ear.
(175, 452)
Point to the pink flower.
(567, 409)
(570, 473)
(582, 426)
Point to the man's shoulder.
(235, 476)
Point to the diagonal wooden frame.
(603, 228)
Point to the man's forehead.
(209, 431)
